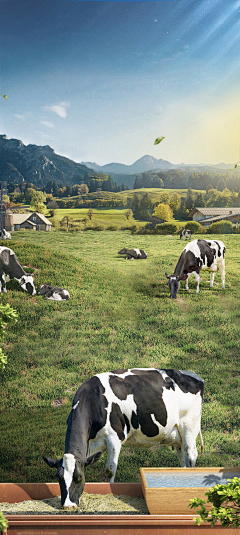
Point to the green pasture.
(105, 216)
(119, 315)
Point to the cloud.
(48, 124)
(20, 117)
(59, 109)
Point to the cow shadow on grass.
(157, 290)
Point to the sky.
(99, 81)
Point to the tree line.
(177, 179)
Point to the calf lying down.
(54, 292)
(133, 253)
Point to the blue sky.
(99, 81)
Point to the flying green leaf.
(235, 166)
(5, 96)
(158, 140)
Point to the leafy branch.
(3, 523)
(226, 505)
(7, 315)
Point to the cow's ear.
(93, 459)
(168, 276)
(51, 462)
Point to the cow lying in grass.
(135, 407)
(11, 269)
(54, 293)
(198, 255)
(133, 253)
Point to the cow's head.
(70, 475)
(123, 251)
(27, 284)
(174, 283)
(43, 289)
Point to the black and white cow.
(198, 255)
(54, 293)
(4, 235)
(135, 407)
(133, 253)
(11, 269)
(186, 233)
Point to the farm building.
(31, 221)
(157, 220)
(207, 216)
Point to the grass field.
(119, 315)
(106, 217)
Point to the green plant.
(7, 315)
(195, 227)
(226, 505)
(167, 228)
(221, 227)
(3, 523)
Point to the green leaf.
(5, 96)
(158, 140)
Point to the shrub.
(221, 227)
(236, 229)
(3, 523)
(195, 227)
(135, 228)
(112, 227)
(226, 505)
(167, 228)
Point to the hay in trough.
(89, 504)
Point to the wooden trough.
(168, 524)
(169, 490)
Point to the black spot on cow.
(134, 420)
(127, 423)
(206, 252)
(88, 422)
(147, 389)
(187, 383)
(117, 421)
(219, 248)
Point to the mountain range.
(40, 164)
(149, 163)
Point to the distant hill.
(146, 163)
(39, 164)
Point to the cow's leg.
(113, 450)
(212, 275)
(3, 283)
(197, 280)
(189, 429)
(221, 266)
(186, 282)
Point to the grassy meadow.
(119, 315)
(106, 217)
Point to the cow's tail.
(201, 441)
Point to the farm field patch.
(119, 315)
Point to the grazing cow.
(133, 253)
(54, 292)
(186, 233)
(4, 235)
(135, 407)
(198, 255)
(11, 269)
